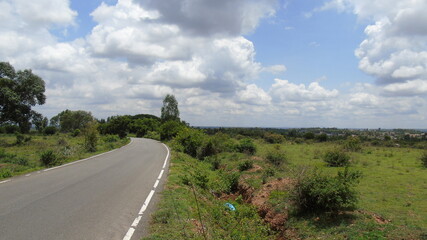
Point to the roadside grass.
(393, 190)
(392, 195)
(17, 159)
(191, 206)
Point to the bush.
(423, 159)
(11, 129)
(352, 144)
(316, 192)
(276, 157)
(19, 139)
(231, 181)
(247, 146)
(153, 135)
(49, 158)
(91, 136)
(111, 138)
(50, 130)
(76, 133)
(246, 165)
(336, 158)
(190, 140)
(273, 138)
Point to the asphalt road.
(98, 198)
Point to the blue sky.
(264, 63)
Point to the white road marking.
(161, 174)
(129, 234)
(135, 222)
(157, 183)
(5, 181)
(28, 175)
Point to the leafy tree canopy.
(170, 109)
(69, 120)
(19, 91)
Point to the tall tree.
(170, 109)
(19, 91)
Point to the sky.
(234, 63)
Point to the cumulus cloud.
(395, 48)
(283, 90)
(207, 18)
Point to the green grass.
(393, 189)
(393, 186)
(66, 148)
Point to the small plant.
(423, 159)
(336, 158)
(276, 157)
(247, 146)
(49, 158)
(111, 139)
(246, 165)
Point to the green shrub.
(336, 158)
(49, 158)
(111, 138)
(91, 136)
(19, 139)
(276, 157)
(215, 162)
(246, 165)
(190, 139)
(11, 129)
(247, 146)
(153, 135)
(231, 181)
(317, 192)
(50, 130)
(5, 173)
(352, 144)
(423, 159)
(76, 133)
(273, 138)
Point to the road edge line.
(147, 201)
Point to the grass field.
(392, 196)
(16, 159)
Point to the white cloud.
(253, 95)
(395, 48)
(275, 69)
(283, 90)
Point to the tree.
(39, 122)
(170, 109)
(19, 91)
(69, 120)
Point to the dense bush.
(169, 130)
(336, 158)
(153, 135)
(91, 136)
(49, 158)
(50, 130)
(247, 146)
(76, 133)
(277, 157)
(317, 192)
(352, 144)
(423, 159)
(10, 129)
(111, 138)
(246, 165)
(190, 139)
(273, 138)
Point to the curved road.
(104, 197)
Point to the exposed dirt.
(379, 219)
